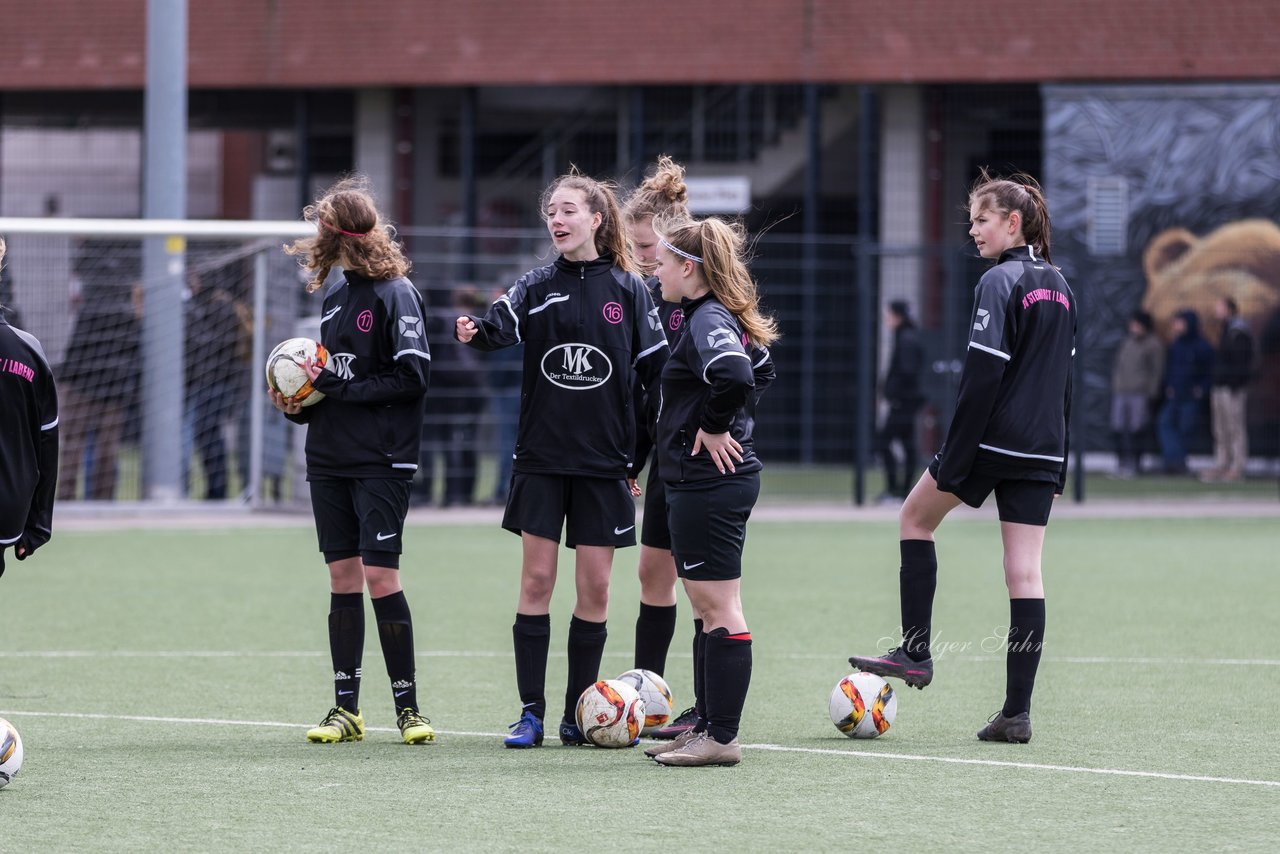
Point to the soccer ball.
(10, 752)
(862, 705)
(653, 689)
(610, 714)
(285, 373)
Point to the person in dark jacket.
(707, 461)
(362, 445)
(585, 324)
(214, 368)
(98, 377)
(1188, 372)
(1232, 372)
(1135, 387)
(1009, 435)
(28, 441)
(901, 391)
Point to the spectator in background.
(98, 378)
(1232, 371)
(901, 392)
(215, 351)
(1187, 374)
(505, 367)
(1135, 387)
(451, 429)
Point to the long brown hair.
(601, 197)
(350, 233)
(722, 247)
(1018, 192)
(663, 194)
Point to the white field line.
(776, 748)
(623, 653)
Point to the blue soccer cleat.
(526, 732)
(570, 735)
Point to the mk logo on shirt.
(340, 364)
(576, 366)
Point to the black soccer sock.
(655, 627)
(1022, 656)
(917, 580)
(532, 637)
(346, 647)
(586, 646)
(728, 662)
(395, 630)
(699, 676)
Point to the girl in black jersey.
(362, 445)
(706, 458)
(28, 441)
(662, 196)
(585, 321)
(1008, 436)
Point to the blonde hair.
(351, 234)
(722, 247)
(1019, 192)
(663, 195)
(600, 197)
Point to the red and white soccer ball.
(10, 752)
(653, 689)
(862, 705)
(285, 372)
(610, 713)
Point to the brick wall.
(99, 44)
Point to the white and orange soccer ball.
(653, 689)
(285, 372)
(862, 705)
(610, 714)
(10, 752)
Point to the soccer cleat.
(667, 746)
(683, 723)
(898, 664)
(1016, 729)
(338, 725)
(702, 749)
(570, 735)
(414, 728)
(526, 732)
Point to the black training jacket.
(709, 383)
(1014, 400)
(28, 440)
(375, 383)
(588, 336)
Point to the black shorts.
(592, 511)
(1021, 500)
(708, 522)
(656, 533)
(361, 518)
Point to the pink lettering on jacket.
(13, 366)
(1040, 294)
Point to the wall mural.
(1167, 197)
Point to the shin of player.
(1008, 436)
(707, 461)
(362, 445)
(585, 321)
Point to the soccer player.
(663, 197)
(28, 441)
(707, 460)
(585, 321)
(1008, 436)
(362, 444)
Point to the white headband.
(679, 251)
